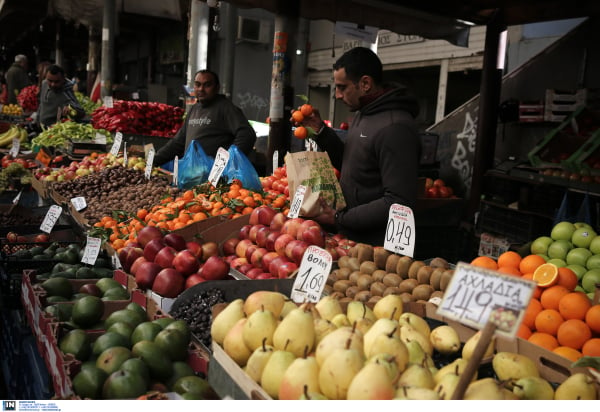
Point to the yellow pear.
(383, 326)
(417, 376)
(578, 386)
(510, 366)
(415, 393)
(456, 367)
(471, 343)
(328, 307)
(372, 382)
(416, 354)
(338, 369)
(363, 324)
(234, 345)
(259, 328)
(533, 388)
(257, 361)
(357, 309)
(445, 340)
(390, 306)
(338, 339)
(390, 344)
(266, 299)
(272, 374)
(340, 320)
(484, 389)
(225, 320)
(301, 375)
(408, 333)
(416, 322)
(322, 328)
(388, 361)
(287, 307)
(296, 332)
(446, 385)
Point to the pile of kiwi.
(369, 272)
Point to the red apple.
(257, 256)
(244, 232)
(153, 247)
(240, 249)
(267, 259)
(334, 253)
(237, 262)
(262, 214)
(136, 264)
(175, 240)
(313, 235)
(193, 279)
(249, 251)
(439, 183)
(254, 230)
(165, 257)
(254, 272)
(230, 258)
(271, 238)
(229, 246)
(286, 269)
(264, 275)
(12, 237)
(245, 268)
(342, 250)
(128, 255)
(41, 238)
(275, 263)
(209, 249)
(291, 226)
(146, 273)
(195, 248)
(147, 233)
(185, 262)
(90, 289)
(168, 283)
(278, 220)
(215, 268)
(281, 242)
(295, 249)
(261, 236)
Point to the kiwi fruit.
(407, 285)
(343, 273)
(341, 286)
(346, 299)
(403, 265)
(414, 268)
(353, 264)
(391, 279)
(354, 276)
(434, 279)
(422, 292)
(364, 282)
(424, 273)
(343, 261)
(377, 288)
(328, 289)
(364, 252)
(337, 295)
(439, 262)
(363, 296)
(391, 262)
(353, 252)
(352, 291)
(391, 290)
(445, 280)
(378, 275)
(406, 297)
(332, 278)
(380, 255)
(368, 267)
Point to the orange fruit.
(531, 312)
(545, 340)
(306, 109)
(591, 347)
(530, 263)
(592, 318)
(546, 275)
(297, 116)
(569, 353)
(551, 296)
(485, 262)
(573, 333)
(523, 332)
(301, 132)
(567, 278)
(509, 270)
(509, 259)
(537, 292)
(574, 305)
(548, 321)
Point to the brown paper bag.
(314, 171)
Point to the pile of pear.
(335, 350)
(369, 273)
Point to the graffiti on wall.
(254, 106)
(465, 148)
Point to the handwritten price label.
(176, 171)
(312, 275)
(124, 154)
(297, 202)
(275, 159)
(114, 150)
(221, 160)
(79, 203)
(476, 295)
(400, 231)
(108, 101)
(50, 219)
(100, 138)
(16, 146)
(17, 198)
(92, 248)
(149, 161)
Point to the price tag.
(50, 219)
(116, 262)
(92, 248)
(16, 147)
(17, 198)
(149, 160)
(176, 171)
(400, 231)
(297, 202)
(114, 150)
(79, 203)
(312, 275)
(124, 154)
(100, 138)
(275, 159)
(108, 101)
(135, 96)
(476, 296)
(221, 160)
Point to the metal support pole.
(108, 43)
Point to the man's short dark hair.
(213, 74)
(55, 69)
(358, 62)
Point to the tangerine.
(301, 132)
(530, 263)
(567, 278)
(591, 347)
(546, 275)
(485, 262)
(523, 332)
(569, 353)
(574, 305)
(306, 109)
(531, 312)
(297, 116)
(551, 296)
(548, 321)
(509, 270)
(537, 292)
(573, 333)
(592, 318)
(545, 340)
(509, 259)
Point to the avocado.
(23, 254)
(87, 311)
(161, 367)
(78, 343)
(63, 274)
(36, 250)
(58, 286)
(85, 272)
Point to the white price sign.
(312, 275)
(124, 154)
(176, 171)
(400, 231)
(477, 295)
(221, 160)
(297, 202)
(92, 248)
(50, 219)
(100, 138)
(16, 146)
(149, 160)
(108, 101)
(114, 150)
(275, 159)
(79, 203)
(17, 198)
(116, 262)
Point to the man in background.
(17, 77)
(57, 99)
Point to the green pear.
(264, 299)
(388, 361)
(226, 319)
(322, 328)
(445, 340)
(510, 366)
(328, 307)
(260, 325)
(357, 309)
(391, 344)
(296, 331)
(417, 376)
(270, 379)
(416, 322)
(484, 389)
(390, 306)
(372, 382)
(234, 345)
(257, 361)
(338, 369)
(456, 367)
(416, 354)
(578, 386)
(340, 320)
(446, 385)
(287, 307)
(471, 343)
(408, 333)
(533, 388)
(415, 393)
(302, 372)
(383, 326)
(338, 339)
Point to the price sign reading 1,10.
(297, 202)
(400, 231)
(312, 275)
(50, 219)
(221, 160)
(114, 150)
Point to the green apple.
(560, 263)
(582, 237)
(559, 249)
(545, 257)
(578, 269)
(562, 231)
(595, 245)
(578, 256)
(584, 225)
(590, 279)
(540, 245)
(593, 262)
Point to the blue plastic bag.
(239, 167)
(194, 167)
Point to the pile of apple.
(272, 245)
(437, 188)
(167, 264)
(277, 183)
(88, 165)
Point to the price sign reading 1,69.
(312, 275)
(400, 231)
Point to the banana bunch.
(14, 131)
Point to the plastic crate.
(531, 112)
(560, 105)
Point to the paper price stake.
(50, 219)
(114, 150)
(79, 203)
(17, 197)
(108, 101)
(176, 171)
(15, 148)
(92, 248)
(275, 159)
(400, 231)
(100, 138)
(149, 161)
(125, 154)
(221, 160)
(297, 202)
(312, 275)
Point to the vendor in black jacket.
(57, 98)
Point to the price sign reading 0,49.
(312, 275)
(400, 231)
